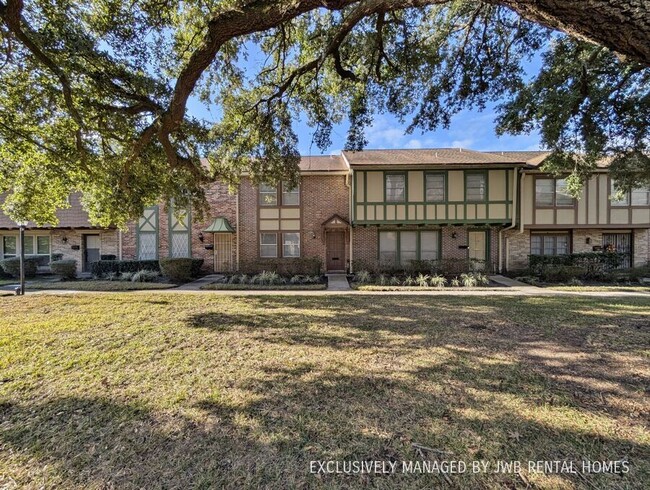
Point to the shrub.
(312, 279)
(12, 266)
(56, 256)
(409, 281)
(145, 276)
(285, 266)
(126, 276)
(363, 277)
(297, 279)
(382, 280)
(103, 267)
(468, 280)
(395, 281)
(112, 276)
(267, 278)
(438, 281)
(180, 269)
(585, 265)
(67, 269)
(455, 283)
(482, 279)
(422, 280)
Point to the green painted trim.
(171, 230)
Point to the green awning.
(219, 225)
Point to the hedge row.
(11, 265)
(64, 268)
(445, 267)
(180, 269)
(311, 266)
(584, 265)
(103, 267)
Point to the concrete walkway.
(511, 283)
(338, 282)
(199, 283)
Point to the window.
(408, 246)
(268, 245)
(544, 192)
(435, 187)
(34, 245)
(543, 244)
(475, 187)
(401, 247)
(562, 196)
(395, 187)
(147, 234)
(429, 241)
(551, 192)
(290, 197)
(641, 197)
(9, 246)
(179, 232)
(268, 195)
(637, 197)
(291, 244)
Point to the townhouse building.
(374, 208)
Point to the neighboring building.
(375, 207)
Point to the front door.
(620, 243)
(91, 246)
(335, 242)
(477, 249)
(222, 252)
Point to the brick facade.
(108, 243)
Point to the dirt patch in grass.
(196, 391)
(259, 287)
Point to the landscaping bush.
(55, 257)
(67, 269)
(285, 267)
(103, 267)
(363, 277)
(12, 266)
(145, 276)
(180, 269)
(267, 278)
(585, 265)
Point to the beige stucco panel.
(528, 199)
(641, 216)
(544, 216)
(565, 216)
(360, 213)
(456, 185)
(620, 216)
(375, 186)
(497, 211)
(290, 213)
(416, 186)
(591, 203)
(269, 213)
(497, 185)
(603, 191)
(290, 224)
(268, 225)
(359, 186)
(400, 212)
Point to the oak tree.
(94, 93)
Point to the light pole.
(22, 226)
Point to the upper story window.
(435, 187)
(268, 195)
(636, 197)
(475, 187)
(395, 187)
(290, 197)
(552, 192)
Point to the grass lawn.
(196, 391)
(626, 288)
(259, 287)
(88, 285)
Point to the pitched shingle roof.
(72, 217)
(322, 163)
(433, 156)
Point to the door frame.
(83, 248)
(343, 233)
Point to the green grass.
(168, 390)
(259, 287)
(377, 287)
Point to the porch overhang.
(219, 225)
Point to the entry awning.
(219, 225)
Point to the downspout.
(119, 243)
(238, 230)
(350, 204)
(515, 194)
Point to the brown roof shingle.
(433, 156)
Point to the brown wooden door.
(335, 251)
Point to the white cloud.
(413, 144)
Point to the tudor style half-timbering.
(374, 208)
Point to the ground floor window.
(290, 244)
(34, 245)
(549, 244)
(401, 247)
(147, 232)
